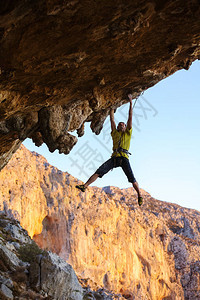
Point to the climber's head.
(121, 126)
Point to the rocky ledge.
(64, 63)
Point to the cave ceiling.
(64, 63)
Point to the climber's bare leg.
(136, 187)
(91, 179)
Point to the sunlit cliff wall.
(148, 252)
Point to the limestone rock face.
(21, 277)
(64, 63)
(148, 252)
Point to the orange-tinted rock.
(146, 251)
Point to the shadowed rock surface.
(27, 272)
(64, 63)
(148, 252)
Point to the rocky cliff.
(148, 252)
(64, 63)
(27, 272)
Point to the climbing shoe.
(81, 187)
(140, 201)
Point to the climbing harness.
(120, 149)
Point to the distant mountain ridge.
(148, 252)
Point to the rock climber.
(121, 137)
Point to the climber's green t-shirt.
(125, 141)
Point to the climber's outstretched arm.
(130, 114)
(112, 121)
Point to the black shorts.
(115, 162)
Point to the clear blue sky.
(165, 146)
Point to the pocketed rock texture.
(64, 63)
(148, 252)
